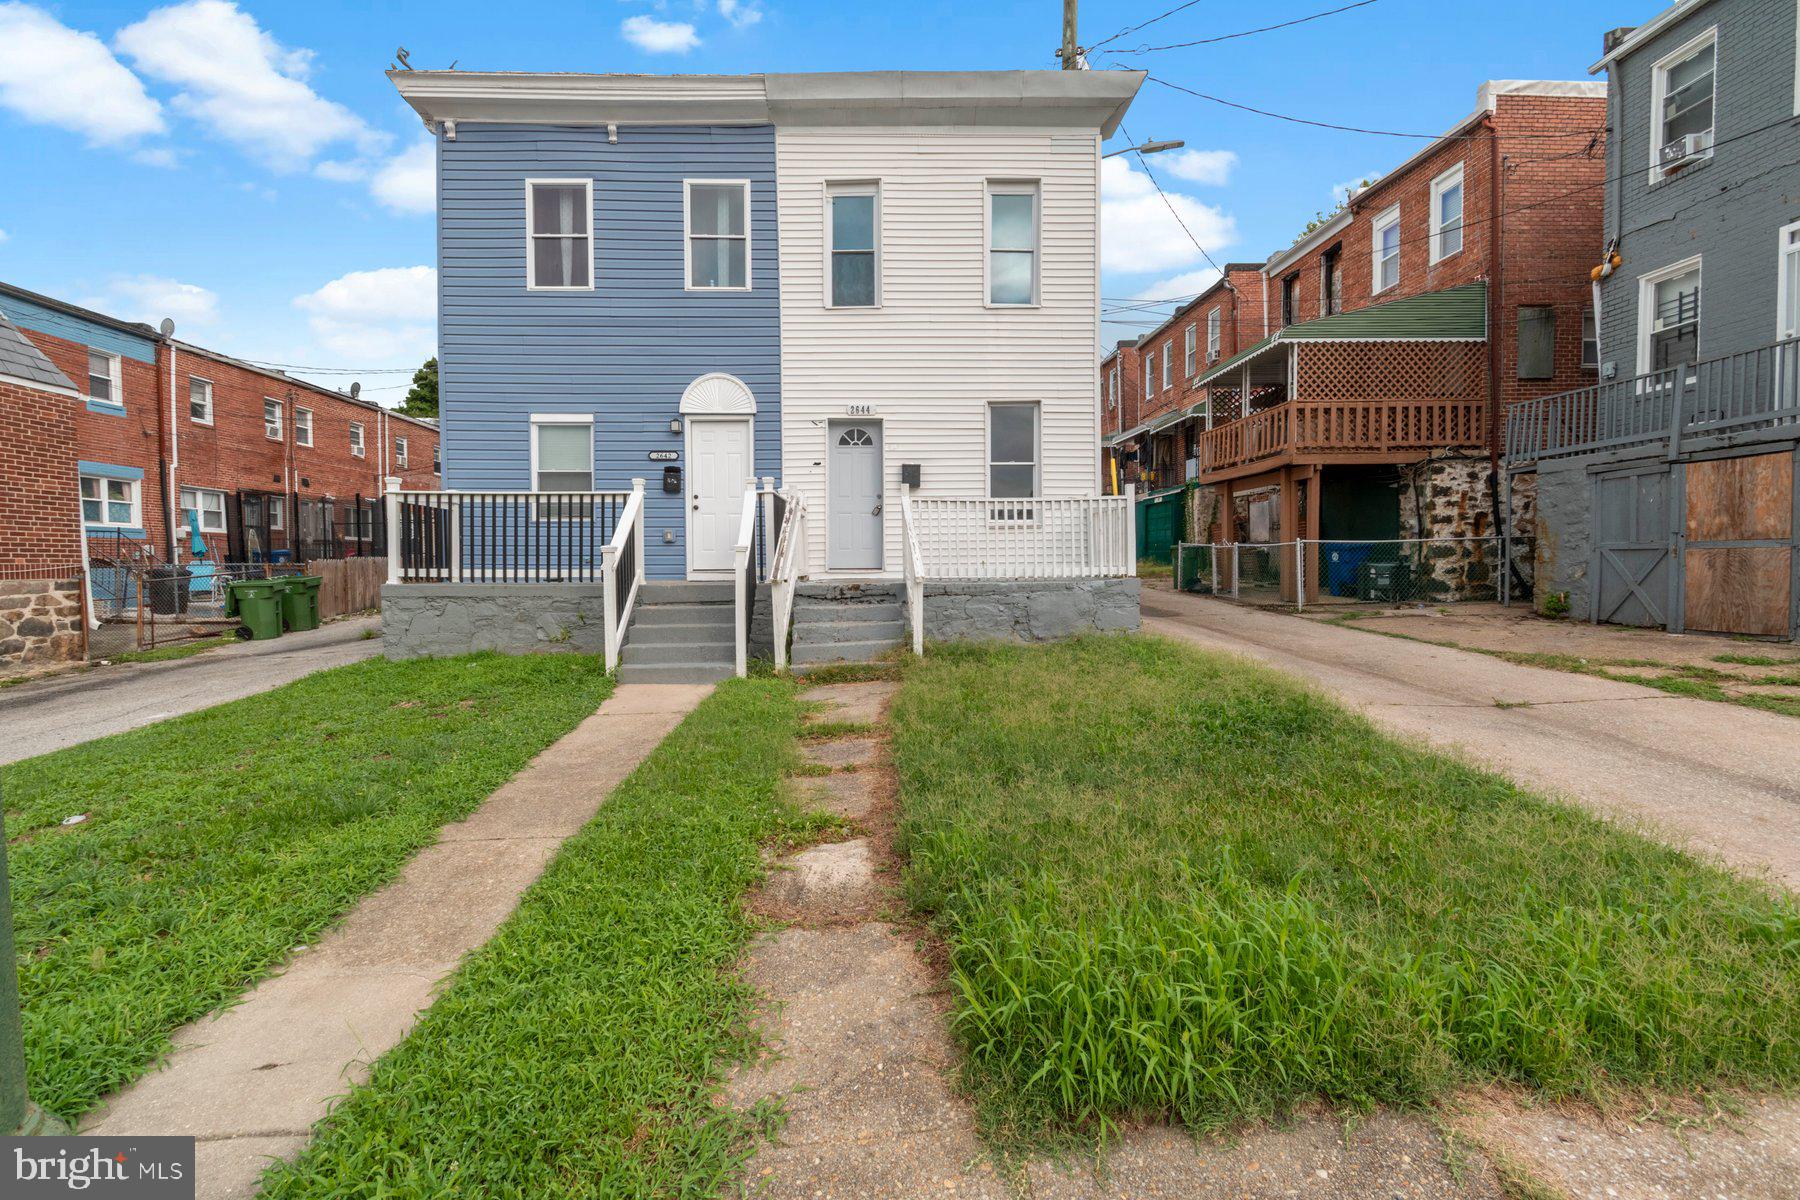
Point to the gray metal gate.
(1632, 565)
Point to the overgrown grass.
(215, 842)
(169, 653)
(577, 1053)
(1175, 883)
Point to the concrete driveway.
(1717, 778)
(66, 710)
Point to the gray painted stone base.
(1030, 610)
(430, 620)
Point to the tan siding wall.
(933, 355)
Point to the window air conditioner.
(1676, 154)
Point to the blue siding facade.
(623, 352)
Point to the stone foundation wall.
(1205, 508)
(1449, 498)
(432, 620)
(1030, 610)
(40, 622)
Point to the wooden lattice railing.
(1307, 428)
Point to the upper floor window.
(106, 377)
(1188, 348)
(1212, 336)
(303, 426)
(356, 439)
(1331, 281)
(1012, 450)
(1290, 287)
(560, 249)
(562, 453)
(1168, 356)
(1787, 285)
(1447, 213)
(1681, 99)
(400, 459)
(1386, 249)
(1012, 243)
(1590, 339)
(203, 507)
(1669, 316)
(718, 235)
(1537, 342)
(109, 502)
(1149, 374)
(854, 229)
(437, 460)
(200, 400)
(272, 419)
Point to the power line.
(1141, 25)
(1171, 206)
(332, 370)
(1226, 37)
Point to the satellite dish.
(167, 327)
(355, 391)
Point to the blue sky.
(247, 169)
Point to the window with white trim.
(437, 459)
(854, 230)
(1331, 281)
(200, 400)
(1149, 374)
(1168, 355)
(1447, 214)
(1787, 283)
(718, 234)
(1590, 340)
(1212, 336)
(205, 504)
(1669, 316)
(272, 419)
(562, 453)
(1112, 388)
(109, 503)
(1187, 357)
(356, 439)
(1385, 250)
(276, 507)
(303, 426)
(1681, 98)
(400, 459)
(1012, 243)
(1012, 450)
(106, 377)
(559, 250)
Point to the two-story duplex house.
(867, 294)
(1392, 333)
(1666, 488)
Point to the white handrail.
(617, 617)
(786, 566)
(740, 568)
(914, 562)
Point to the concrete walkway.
(66, 710)
(1717, 778)
(250, 1082)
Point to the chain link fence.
(1399, 571)
(140, 608)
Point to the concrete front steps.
(846, 623)
(680, 632)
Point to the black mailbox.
(909, 474)
(672, 480)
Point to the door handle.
(876, 511)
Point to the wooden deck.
(1339, 431)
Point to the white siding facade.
(933, 354)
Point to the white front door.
(854, 521)
(718, 468)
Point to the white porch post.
(393, 528)
(637, 491)
(1130, 538)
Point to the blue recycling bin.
(1343, 561)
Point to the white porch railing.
(743, 575)
(1068, 537)
(623, 559)
(786, 565)
(913, 564)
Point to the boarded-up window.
(1537, 342)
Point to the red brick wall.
(39, 503)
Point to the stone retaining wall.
(1450, 498)
(420, 620)
(1030, 610)
(40, 622)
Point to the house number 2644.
(860, 410)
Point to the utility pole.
(1071, 49)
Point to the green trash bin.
(254, 603)
(299, 595)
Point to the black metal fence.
(291, 527)
(516, 537)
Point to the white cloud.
(150, 298)
(4, 236)
(388, 314)
(1139, 234)
(1199, 166)
(157, 156)
(407, 183)
(55, 75)
(659, 37)
(242, 84)
(1180, 287)
(741, 15)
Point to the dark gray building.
(1665, 493)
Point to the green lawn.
(216, 842)
(578, 1052)
(1175, 883)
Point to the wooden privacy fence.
(350, 585)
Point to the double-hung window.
(272, 419)
(1188, 350)
(303, 426)
(1669, 316)
(854, 227)
(200, 400)
(400, 459)
(276, 507)
(718, 235)
(562, 453)
(1681, 98)
(106, 378)
(1149, 374)
(1168, 355)
(559, 234)
(1012, 244)
(1590, 339)
(109, 503)
(1331, 281)
(356, 439)
(1447, 213)
(1212, 336)
(1386, 249)
(204, 506)
(437, 460)
(1012, 450)
(1290, 299)
(1787, 274)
